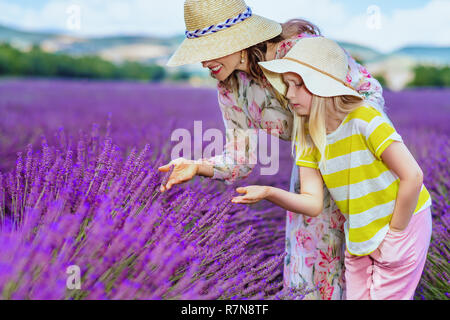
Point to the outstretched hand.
(184, 170)
(253, 194)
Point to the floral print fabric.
(315, 249)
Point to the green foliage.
(358, 59)
(430, 76)
(39, 63)
(180, 76)
(381, 79)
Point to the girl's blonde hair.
(310, 131)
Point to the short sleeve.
(379, 133)
(310, 158)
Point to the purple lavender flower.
(101, 211)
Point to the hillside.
(396, 66)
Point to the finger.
(245, 201)
(171, 182)
(239, 199)
(179, 179)
(241, 190)
(164, 168)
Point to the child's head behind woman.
(316, 98)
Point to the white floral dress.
(314, 246)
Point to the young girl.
(371, 175)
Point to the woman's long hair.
(309, 131)
(257, 53)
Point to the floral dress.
(314, 246)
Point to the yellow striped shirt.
(361, 184)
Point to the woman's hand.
(253, 194)
(183, 171)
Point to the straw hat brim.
(244, 34)
(316, 82)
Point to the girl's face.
(298, 95)
(221, 68)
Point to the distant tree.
(181, 75)
(37, 63)
(358, 59)
(381, 79)
(430, 76)
(43, 64)
(445, 76)
(7, 56)
(157, 73)
(133, 70)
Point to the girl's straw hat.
(217, 28)
(322, 64)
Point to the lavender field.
(79, 185)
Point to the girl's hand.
(396, 229)
(184, 170)
(253, 194)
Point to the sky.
(384, 25)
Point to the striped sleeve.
(379, 133)
(309, 159)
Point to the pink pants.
(393, 270)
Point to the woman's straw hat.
(217, 28)
(322, 64)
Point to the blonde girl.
(372, 177)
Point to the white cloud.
(428, 24)
(99, 17)
(306, 9)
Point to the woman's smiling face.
(221, 68)
(298, 95)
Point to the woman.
(230, 40)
